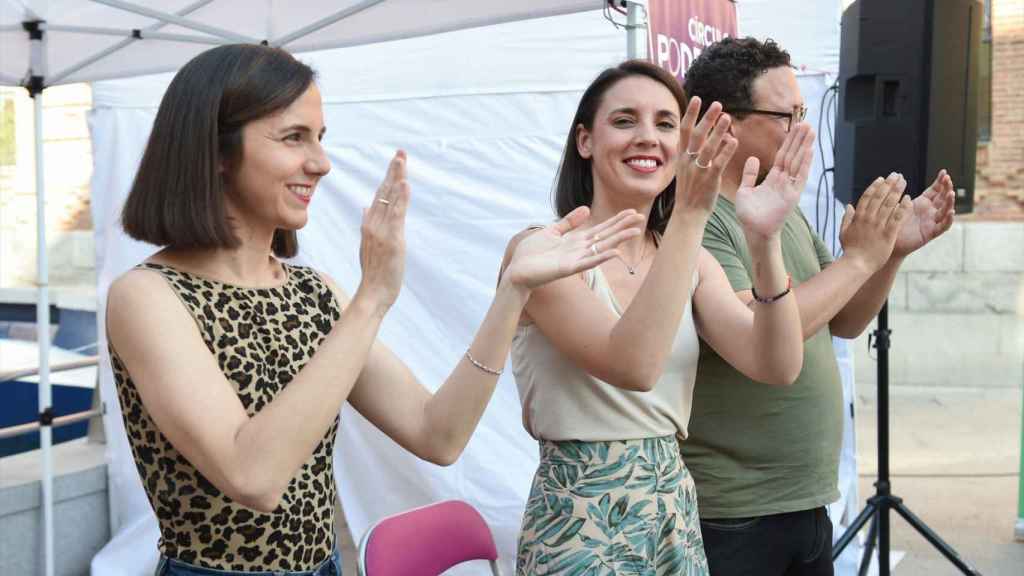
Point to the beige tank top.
(562, 402)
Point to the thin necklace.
(643, 250)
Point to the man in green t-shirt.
(765, 458)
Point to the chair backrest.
(427, 541)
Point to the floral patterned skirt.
(611, 508)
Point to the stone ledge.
(899, 294)
(79, 467)
(944, 254)
(948, 350)
(976, 292)
(994, 247)
(81, 509)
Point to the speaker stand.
(878, 506)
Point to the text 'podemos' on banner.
(678, 30)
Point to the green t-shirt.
(756, 449)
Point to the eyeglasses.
(795, 117)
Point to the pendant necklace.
(643, 250)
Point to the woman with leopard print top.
(231, 366)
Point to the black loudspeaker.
(908, 95)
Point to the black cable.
(821, 230)
(826, 107)
(833, 103)
(833, 106)
(610, 5)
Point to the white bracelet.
(483, 367)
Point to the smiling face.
(634, 141)
(281, 163)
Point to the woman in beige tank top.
(605, 359)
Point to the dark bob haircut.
(726, 71)
(574, 184)
(177, 198)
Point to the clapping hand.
(762, 208)
(565, 248)
(382, 250)
(708, 147)
(931, 216)
(868, 233)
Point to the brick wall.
(999, 184)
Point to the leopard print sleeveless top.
(261, 338)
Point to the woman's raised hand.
(565, 248)
(382, 250)
(704, 151)
(762, 208)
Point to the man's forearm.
(826, 295)
(865, 304)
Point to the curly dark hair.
(726, 70)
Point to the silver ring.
(699, 165)
(692, 155)
(593, 248)
(383, 200)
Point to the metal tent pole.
(35, 87)
(636, 30)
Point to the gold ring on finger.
(383, 200)
(699, 165)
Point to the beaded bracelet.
(779, 296)
(481, 366)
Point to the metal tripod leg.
(935, 540)
(869, 547)
(866, 514)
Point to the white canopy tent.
(482, 112)
(51, 42)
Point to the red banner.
(678, 30)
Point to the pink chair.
(427, 541)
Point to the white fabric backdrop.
(483, 115)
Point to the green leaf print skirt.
(611, 508)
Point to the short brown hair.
(574, 184)
(177, 197)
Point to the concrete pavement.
(954, 459)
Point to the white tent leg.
(37, 71)
(636, 30)
(43, 338)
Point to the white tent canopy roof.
(90, 40)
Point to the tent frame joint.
(34, 29)
(46, 416)
(35, 86)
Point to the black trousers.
(790, 544)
